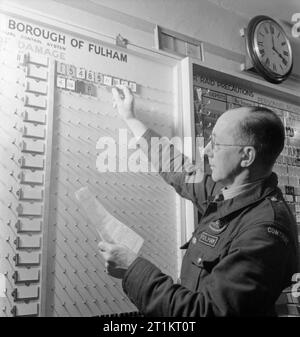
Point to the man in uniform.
(244, 251)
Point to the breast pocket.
(206, 261)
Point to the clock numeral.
(281, 66)
(260, 43)
(285, 53)
(272, 29)
(274, 67)
(283, 43)
(262, 52)
(284, 61)
(267, 61)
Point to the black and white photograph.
(150, 162)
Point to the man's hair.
(263, 129)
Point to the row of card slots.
(34, 133)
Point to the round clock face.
(269, 49)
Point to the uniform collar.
(252, 194)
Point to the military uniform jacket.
(241, 256)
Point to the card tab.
(39, 73)
(24, 309)
(29, 225)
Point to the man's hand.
(124, 100)
(117, 258)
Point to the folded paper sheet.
(109, 228)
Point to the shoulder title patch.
(274, 231)
(208, 239)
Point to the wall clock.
(269, 49)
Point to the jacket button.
(199, 260)
(194, 240)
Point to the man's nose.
(208, 149)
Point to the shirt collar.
(232, 192)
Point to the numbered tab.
(30, 193)
(30, 209)
(38, 59)
(81, 73)
(70, 85)
(22, 58)
(60, 82)
(100, 78)
(90, 76)
(80, 87)
(107, 80)
(34, 131)
(28, 242)
(32, 116)
(29, 225)
(25, 309)
(116, 81)
(37, 72)
(27, 259)
(71, 71)
(90, 89)
(61, 68)
(26, 276)
(36, 87)
(32, 162)
(33, 146)
(132, 86)
(33, 101)
(124, 82)
(22, 293)
(29, 177)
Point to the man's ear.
(248, 156)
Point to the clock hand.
(276, 51)
(279, 54)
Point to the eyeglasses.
(213, 144)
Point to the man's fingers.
(116, 95)
(104, 246)
(125, 91)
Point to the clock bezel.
(253, 51)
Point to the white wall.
(214, 21)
